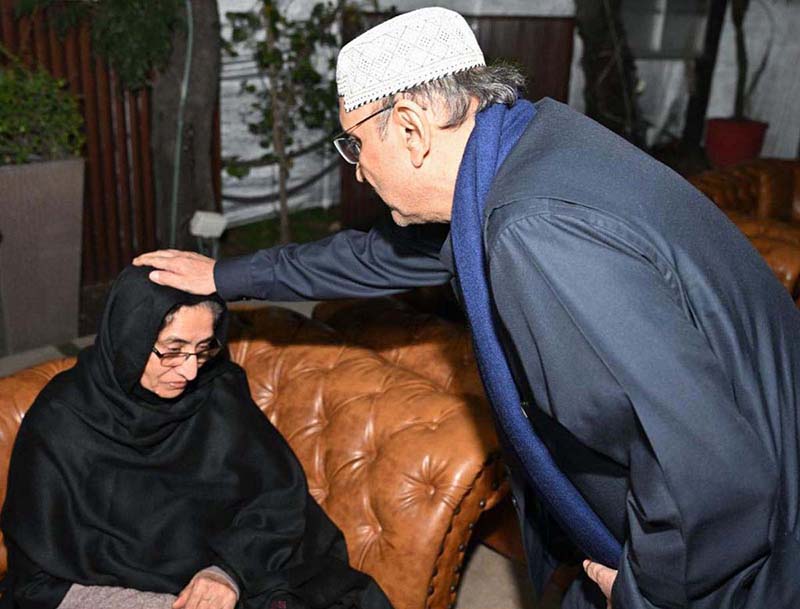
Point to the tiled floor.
(490, 580)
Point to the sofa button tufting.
(482, 503)
(461, 547)
(452, 587)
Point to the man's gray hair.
(499, 83)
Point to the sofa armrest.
(728, 192)
(17, 393)
(402, 466)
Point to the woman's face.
(190, 331)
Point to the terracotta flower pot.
(730, 141)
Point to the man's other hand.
(602, 576)
(187, 271)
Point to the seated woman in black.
(146, 472)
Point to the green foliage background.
(39, 119)
(135, 36)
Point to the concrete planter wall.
(41, 208)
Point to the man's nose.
(359, 175)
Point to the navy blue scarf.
(497, 130)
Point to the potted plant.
(739, 138)
(41, 204)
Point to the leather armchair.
(404, 467)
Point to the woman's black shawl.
(111, 485)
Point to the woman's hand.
(206, 591)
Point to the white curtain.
(777, 98)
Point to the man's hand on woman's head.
(187, 271)
(206, 591)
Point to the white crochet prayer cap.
(407, 50)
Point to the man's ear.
(417, 129)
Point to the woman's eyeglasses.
(173, 359)
(350, 147)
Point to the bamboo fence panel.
(119, 219)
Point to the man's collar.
(446, 255)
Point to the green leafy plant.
(39, 119)
(134, 36)
(297, 58)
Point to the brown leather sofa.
(403, 466)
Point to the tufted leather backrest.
(435, 348)
(761, 188)
(754, 228)
(403, 467)
(728, 191)
(401, 329)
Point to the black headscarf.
(111, 485)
